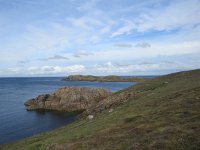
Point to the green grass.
(163, 114)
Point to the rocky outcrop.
(68, 99)
(110, 102)
(110, 78)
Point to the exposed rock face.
(68, 99)
(113, 100)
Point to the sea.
(17, 123)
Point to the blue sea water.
(17, 123)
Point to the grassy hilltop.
(163, 113)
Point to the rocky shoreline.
(82, 100)
(68, 99)
(85, 101)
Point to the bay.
(17, 123)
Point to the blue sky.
(99, 37)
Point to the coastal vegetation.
(160, 113)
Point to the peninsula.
(110, 78)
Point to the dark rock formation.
(110, 78)
(68, 99)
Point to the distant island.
(110, 78)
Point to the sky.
(98, 37)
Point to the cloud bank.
(66, 33)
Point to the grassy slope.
(161, 116)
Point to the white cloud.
(145, 67)
(86, 23)
(171, 27)
(45, 70)
(178, 14)
(157, 49)
(87, 6)
(56, 69)
(55, 37)
(127, 28)
(110, 68)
